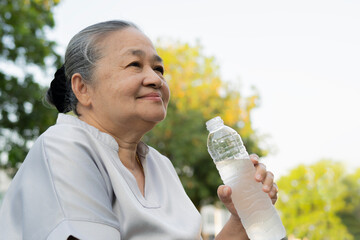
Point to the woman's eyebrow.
(141, 53)
(157, 58)
(135, 52)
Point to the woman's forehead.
(129, 42)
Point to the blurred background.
(285, 74)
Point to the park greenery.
(319, 201)
(23, 45)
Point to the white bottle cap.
(214, 123)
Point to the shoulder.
(61, 178)
(63, 143)
(66, 153)
(74, 153)
(71, 155)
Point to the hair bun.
(58, 90)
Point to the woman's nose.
(153, 79)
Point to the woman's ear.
(81, 89)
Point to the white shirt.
(73, 183)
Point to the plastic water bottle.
(254, 207)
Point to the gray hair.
(81, 56)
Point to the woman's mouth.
(154, 96)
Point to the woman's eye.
(159, 69)
(134, 64)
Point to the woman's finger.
(254, 158)
(260, 174)
(273, 193)
(268, 182)
(260, 168)
(224, 193)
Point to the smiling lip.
(152, 96)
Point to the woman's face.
(128, 84)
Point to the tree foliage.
(320, 202)
(22, 33)
(23, 42)
(198, 94)
(350, 214)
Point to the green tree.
(23, 43)
(311, 200)
(198, 94)
(350, 215)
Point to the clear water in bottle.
(258, 215)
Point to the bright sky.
(302, 56)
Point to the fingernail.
(226, 191)
(258, 176)
(266, 188)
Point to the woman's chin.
(158, 118)
(153, 116)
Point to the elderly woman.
(90, 176)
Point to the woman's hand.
(266, 177)
(261, 175)
(224, 193)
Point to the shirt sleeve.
(82, 193)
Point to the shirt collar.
(106, 138)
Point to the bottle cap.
(213, 123)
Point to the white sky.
(302, 56)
